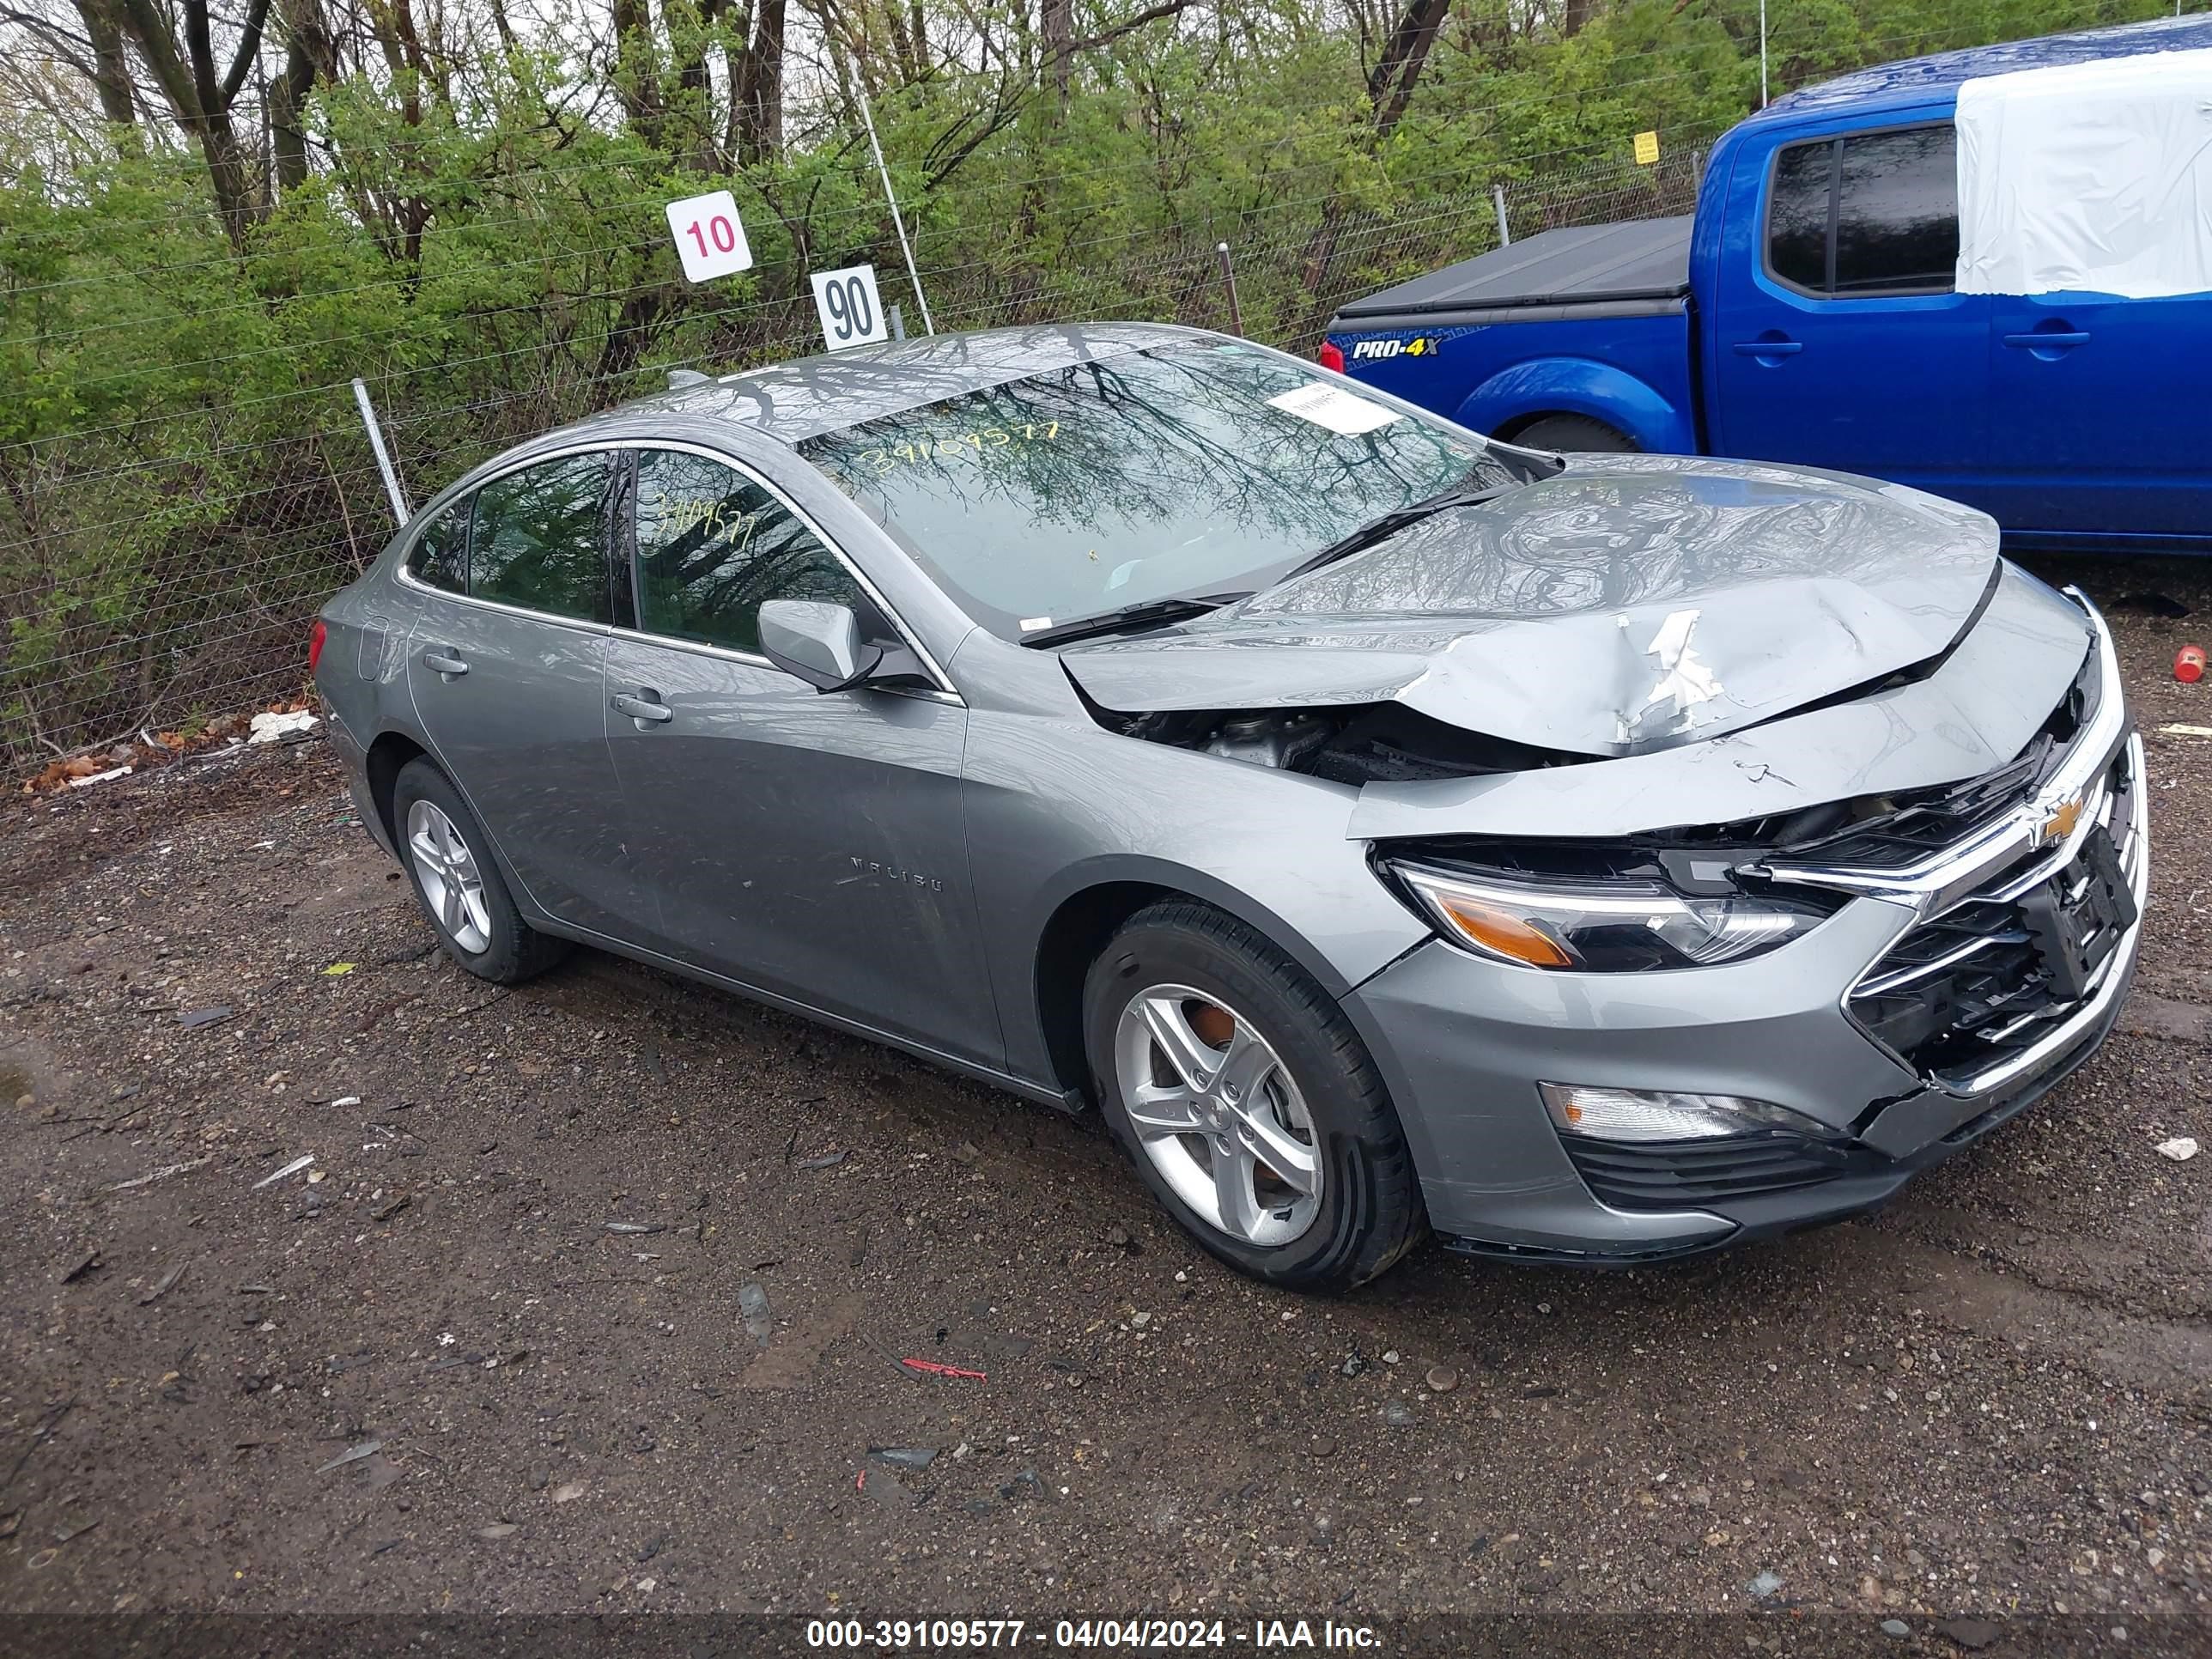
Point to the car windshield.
(1189, 470)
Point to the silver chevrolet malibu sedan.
(1595, 858)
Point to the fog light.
(1668, 1115)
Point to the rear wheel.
(1575, 435)
(1248, 1102)
(458, 884)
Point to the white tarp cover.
(2095, 177)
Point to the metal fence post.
(400, 510)
(897, 319)
(1229, 281)
(1504, 231)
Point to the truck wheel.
(1575, 435)
(1248, 1102)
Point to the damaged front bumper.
(1949, 992)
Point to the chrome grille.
(1969, 996)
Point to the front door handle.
(1767, 347)
(444, 663)
(2033, 342)
(646, 708)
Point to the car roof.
(1917, 79)
(795, 400)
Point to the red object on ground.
(2189, 664)
(1331, 356)
(936, 1369)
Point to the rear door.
(1838, 339)
(504, 666)
(808, 844)
(2104, 427)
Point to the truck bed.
(1640, 268)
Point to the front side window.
(1183, 470)
(1870, 213)
(439, 557)
(539, 539)
(713, 546)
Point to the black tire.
(512, 951)
(1575, 435)
(1369, 1211)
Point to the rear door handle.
(451, 666)
(645, 708)
(1767, 347)
(2032, 341)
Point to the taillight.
(1331, 356)
(316, 636)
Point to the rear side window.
(713, 546)
(1866, 214)
(440, 555)
(539, 539)
(1897, 212)
(1797, 218)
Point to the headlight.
(1620, 927)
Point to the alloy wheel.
(451, 879)
(1218, 1114)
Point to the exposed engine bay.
(1369, 742)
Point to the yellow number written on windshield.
(982, 440)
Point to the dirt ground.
(498, 1346)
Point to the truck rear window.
(1866, 214)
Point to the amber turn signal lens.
(1503, 933)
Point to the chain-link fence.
(158, 570)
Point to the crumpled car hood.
(1632, 603)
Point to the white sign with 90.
(709, 236)
(851, 313)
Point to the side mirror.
(818, 643)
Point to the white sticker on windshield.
(1334, 407)
(1030, 624)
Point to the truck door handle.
(1767, 347)
(646, 708)
(444, 663)
(2036, 342)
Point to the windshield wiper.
(1130, 616)
(1466, 492)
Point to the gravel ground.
(500, 1349)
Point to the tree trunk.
(757, 88)
(637, 69)
(309, 56)
(110, 66)
(1390, 84)
(698, 88)
(1058, 20)
(201, 96)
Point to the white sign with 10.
(851, 313)
(709, 236)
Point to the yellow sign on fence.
(1647, 148)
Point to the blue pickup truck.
(1807, 312)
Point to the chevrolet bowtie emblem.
(2059, 823)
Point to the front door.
(805, 843)
(506, 663)
(1838, 341)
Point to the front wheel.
(1248, 1102)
